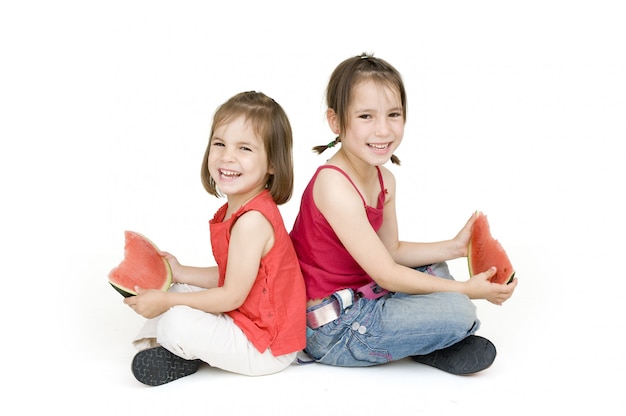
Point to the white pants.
(213, 338)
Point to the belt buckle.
(330, 309)
(371, 291)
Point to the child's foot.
(468, 356)
(156, 366)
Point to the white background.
(514, 108)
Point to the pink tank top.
(326, 264)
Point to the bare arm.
(251, 238)
(414, 254)
(205, 277)
(343, 209)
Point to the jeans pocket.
(352, 350)
(363, 352)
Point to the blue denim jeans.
(377, 331)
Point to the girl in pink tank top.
(346, 238)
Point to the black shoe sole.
(157, 366)
(468, 356)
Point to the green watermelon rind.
(128, 292)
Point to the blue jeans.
(377, 331)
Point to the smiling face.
(375, 123)
(238, 161)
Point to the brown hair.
(349, 73)
(270, 122)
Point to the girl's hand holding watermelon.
(174, 265)
(492, 275)
(148, 303)
(480, 286)
(462, 239)
(205, 277)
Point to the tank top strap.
(338, 169)
(380, 180)
(383, 190)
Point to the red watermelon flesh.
(484, 252)
(142, 266)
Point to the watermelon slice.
(484, 252)
(142, 266)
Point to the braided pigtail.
(320, 149)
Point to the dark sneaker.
(468, 356)
(156, 366)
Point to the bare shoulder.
(335, 189)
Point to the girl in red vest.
(247, 314)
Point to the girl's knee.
(467, 316)
(464, 306)
(173, 324)
(458, 312)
